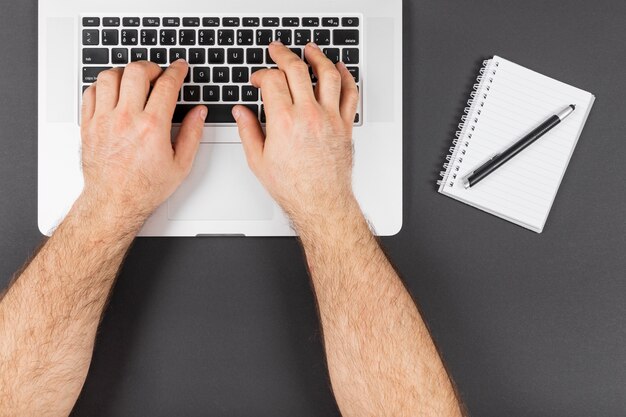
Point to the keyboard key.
(345, 37)
(268, 58)
(302, 37)
(130, 21)
(151, 21)
(350, 56)
(130, 37)
(187, 37)
(264, 37)
(218, 113)
(254, 56)
(191, 21)
(91, 37)
(177, 53)
(191, 93)
(350, 21)
(271, 21)
(171, 21)
(310, 21)
(321, 37)
(149, 37)
(206, 37)
(255, 69)
(330, 21)
(240, 75)
(356, 118)
(291, 21)
(230, 93)
(355, 73)
(251, 21)
(188, 76)
(96, 56)
(332, 54)
(197, 56)
(138, 54)
(283, 35)
(210, 21)
(249, 93)
(91, 21)
(263, 118)
(235, 56)
(90, 74)
(297, 51)
(119, 56)
(221, 75)
(230, 21)
(158, 55)
(168, 37)
(225, 37)
(211, 93)
(110, 37)
(111, 21)
(245, 37)
(201, 75)
(216, 56)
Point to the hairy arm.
(49, 316)
(381, 358)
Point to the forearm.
(49, 316)
(381, 358)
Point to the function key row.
(225, 21)
(243, 37)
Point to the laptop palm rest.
(221, 187)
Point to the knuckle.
(168, 81)
(331, 74)
(297, 65)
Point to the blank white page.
(510, 102)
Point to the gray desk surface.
(530, 325)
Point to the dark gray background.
(529, 325)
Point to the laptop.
(224, 42)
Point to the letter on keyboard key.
(95, 56)
(346, 37)
(138, 54)
(119, 56)
(218, 113)
(90, 74)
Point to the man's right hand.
(305, 158)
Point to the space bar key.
(218, 113)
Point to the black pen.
(500, 159)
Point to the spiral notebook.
(509, 101)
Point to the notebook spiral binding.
(469, 120)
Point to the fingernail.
(236, 113)
(313, 45)
(277, 43)
(203, 113)
(180, 61)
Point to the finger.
(274, 89)
(188, 138)
(251, 135)
(349, 94)
(296, 70)
(162, 101)
(136, 81)
(108, 91)
(328, 88)
(89, 104)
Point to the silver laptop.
(224, 42)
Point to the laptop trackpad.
(221, 187)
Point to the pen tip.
(573, 106)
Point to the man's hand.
(49, 316)
(381, 358)
(305, 159)
(128, 158)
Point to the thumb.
(251, 134)
(188, 138)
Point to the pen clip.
(485, 164)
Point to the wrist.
(332, 221)
(104, 217)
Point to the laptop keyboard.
(222, 52)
